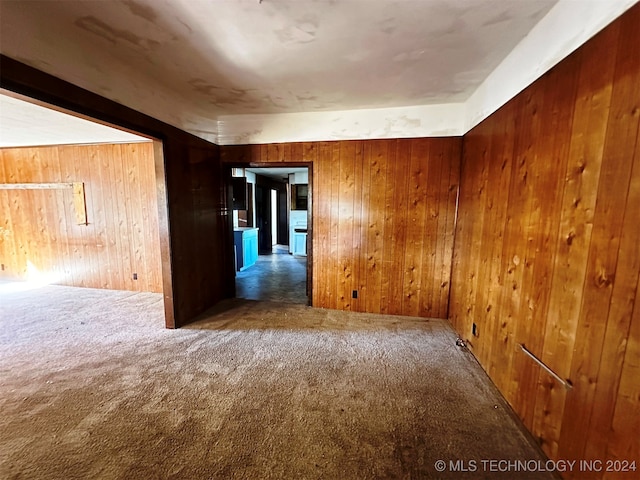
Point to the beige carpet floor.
(93, 386)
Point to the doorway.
(88, 185)
(279, 272)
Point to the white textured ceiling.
(24, 124)
(217, 67)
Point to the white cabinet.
(246, 243)
(300, 243)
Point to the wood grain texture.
(383, 220)
(120, 235)
(201, 226)
(547, 254)
(194, 224)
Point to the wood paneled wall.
(547, 250)
(383, 220)
(194, 222)
(201, 227)
(121, 235)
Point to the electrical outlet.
(135, 276)
(354, 294)
(474, 330)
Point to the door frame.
(309, 165)
(162, 211)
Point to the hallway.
(278, 277)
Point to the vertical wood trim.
(453, 190)
(435, 239)
(80, 203)
(310, 230)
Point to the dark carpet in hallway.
(93, 386)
